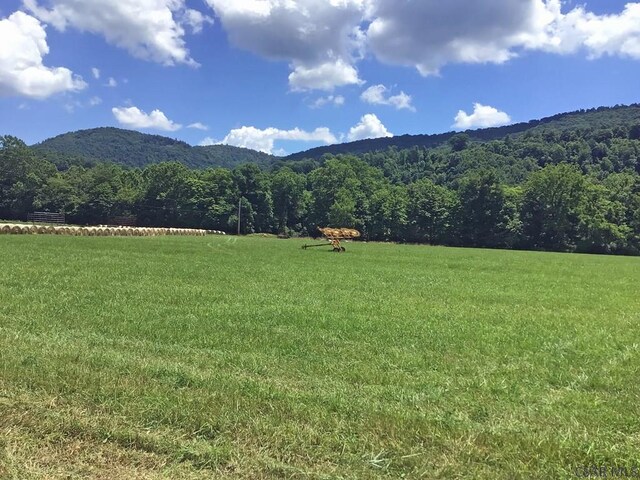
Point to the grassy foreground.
(199, 358)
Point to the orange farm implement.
(333, 237)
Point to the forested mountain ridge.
(135, 149)
(595, 118)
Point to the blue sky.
(283, 76)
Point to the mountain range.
(137, 149)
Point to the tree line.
(559, 191)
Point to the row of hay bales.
(348, 233)
(103, 231)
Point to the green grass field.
(216, 357)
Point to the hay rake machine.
(333, 237)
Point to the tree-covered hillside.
(602, 117)
(135, 149)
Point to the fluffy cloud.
(323, 41)
(429, 35)
(337, 100)
(599, 35)
(95, 72)
(264, 140)
(148, 29)
(133, 117)
(324, 77)
(483, 116)
(112, 83)
(198, 126)
(370, 126)
(196, 20)
(320, 40)
(376, 95)
(23, 44)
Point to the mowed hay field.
(215, 357)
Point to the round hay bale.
(5, 229)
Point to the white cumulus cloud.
(429, 35)
(370, 126)
(148, 29)
(483, 116)
(196, 20)
(133, 117)
(198, 126)
(598, 35)
(336, 100)
(264, 140)
(23, 44)
(95, 72)
(323, 41)
(377, 95)
(326, 76)
(320, 39)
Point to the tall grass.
(251, 358)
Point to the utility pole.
(239, 211)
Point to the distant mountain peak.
(136, 149)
